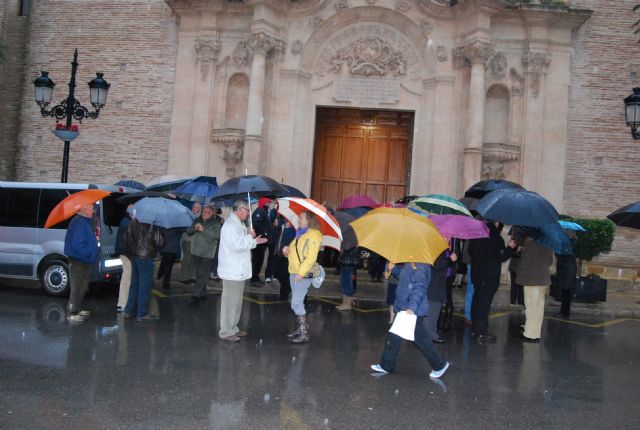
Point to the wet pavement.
(176, 374)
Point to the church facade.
(338, 97)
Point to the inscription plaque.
(366, 90)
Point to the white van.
(29, 251)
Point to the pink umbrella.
(358, 201)
(460, 226)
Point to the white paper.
(404, 325)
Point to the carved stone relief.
(232, 140)
(371, 2)
(441, 53)
(296, 47)
(517, 81)
(496, 159)
(241, 54)
(402, 6)
(206, 52)
(341, 5)
(478, 52)
(315, 21)
(261, 42)
(427, 27)
(459, 60)
(535, 64)
(498, 65)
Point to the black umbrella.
(517, 207)
(130, 183)
(293, 191)
(134, 197)
(482, 188)
(470, 203)
(349, 239)
(627, 216)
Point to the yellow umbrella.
(399, 235)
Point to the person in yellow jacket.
(302, 253)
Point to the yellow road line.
(595, 325)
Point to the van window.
(49, 198)
(113, 210)
(18, 207)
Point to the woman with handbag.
(302, 253)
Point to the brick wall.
(14, 32)
(603, 167)
(134, 43)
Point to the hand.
(512, 244)
(260, 240)
(198, 227)
(390, 266)
(453, 257)
(286, 251)
(252, 233)
(410, 312)
(297, 278)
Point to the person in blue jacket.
(411, 296)
(81, 247)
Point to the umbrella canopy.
(291, 207)
(514, 207)
(439, 204)
(356, 212)
(293, 191)
(130, 183)
(399, 235)
(470, 203)
(256, 185)
(358, 201)
(198, 189)
(162, 212)
(627, 216)
(71, 204)
(349, 239)
(568, 225)
(460, 226)
(134, 197)
(551, 236)
(482, 188)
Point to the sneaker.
(75, 318)
(119, 309)
(379, 369)
(439, 373)
(231, 339)
(84, 313)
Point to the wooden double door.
(361, 152)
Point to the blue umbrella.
(356, 212)
(482, 188)
(198, 189)
(517, 207)
(130, 183)
(551, 236)
(162, 212)
(568, 225)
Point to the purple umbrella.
(460, 226)
(358, 201)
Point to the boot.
(347, 304)
(296, 332)
(303, 337)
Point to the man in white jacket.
(234, 268)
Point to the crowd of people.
(233, 249)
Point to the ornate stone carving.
(370, 56)
(371, 2)
(427, 27)
(535, 64)
(402, 6)
(517, 82)
(459, 60)
(341, 5)
(498, 65)
(315, 21)
(206, 52)
(296, 47)
(493, 169)
(232, 140)
(478, 52)
(441, 53)
(262, 42)
(496, 157)
(241, 54)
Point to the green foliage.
(596, 240)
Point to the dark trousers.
(203, 267)
(257, 258)
(281, 273)
(141, 283)
(446, 314)
(422, 341)
(166, 267)
(565, 303)
(481, 306)
(431, 320)
(79, 277)
(272, 264)
(214, 262)
(517, 291)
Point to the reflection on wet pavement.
(176, 374)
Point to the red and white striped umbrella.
(290, 207)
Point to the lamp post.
(70, 107)
(632, 112)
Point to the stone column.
(260, 44)
(477, 53)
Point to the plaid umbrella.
(439, 204)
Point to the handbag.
(315, 269)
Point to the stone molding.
(402, 6)
(498, 66)
(341, 5)
(232, 140)
(478, 52)
(535, 64)
(495, 157)
(207, 52)
(441, 53)
(262, 42)
(296, 47)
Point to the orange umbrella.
(71, 204)
(291, 207)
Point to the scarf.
(301, 231)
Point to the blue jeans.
(346, 280)
(141, 283)
(298, 293)
(469, 297)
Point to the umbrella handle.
(250, 211)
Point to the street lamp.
(70, 107)
(632, 112)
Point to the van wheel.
(54, 278)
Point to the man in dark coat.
(487, 256)
(263, 227)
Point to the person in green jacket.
(204, 233)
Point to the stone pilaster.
(535, 64)
(207, 53)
